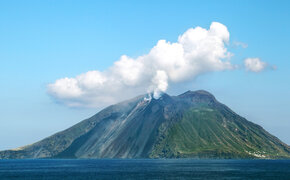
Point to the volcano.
(191, 125)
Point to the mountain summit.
(191, 125)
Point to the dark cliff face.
(193, 124)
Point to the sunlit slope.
(210, 133)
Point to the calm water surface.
(144, 169)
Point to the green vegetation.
(215, 133)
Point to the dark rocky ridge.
(191, 125)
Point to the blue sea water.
(144, 169)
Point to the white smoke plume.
(196, 51)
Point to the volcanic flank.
(191, 125)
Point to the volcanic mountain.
(191, 125)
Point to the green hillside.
(210, 133)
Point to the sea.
(71, 169)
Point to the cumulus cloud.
(197, 51)
(255, 64)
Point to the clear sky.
(42, 41)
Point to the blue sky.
(42, 41)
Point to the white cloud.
(240, 44)
(255, 64)
(196, 51)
